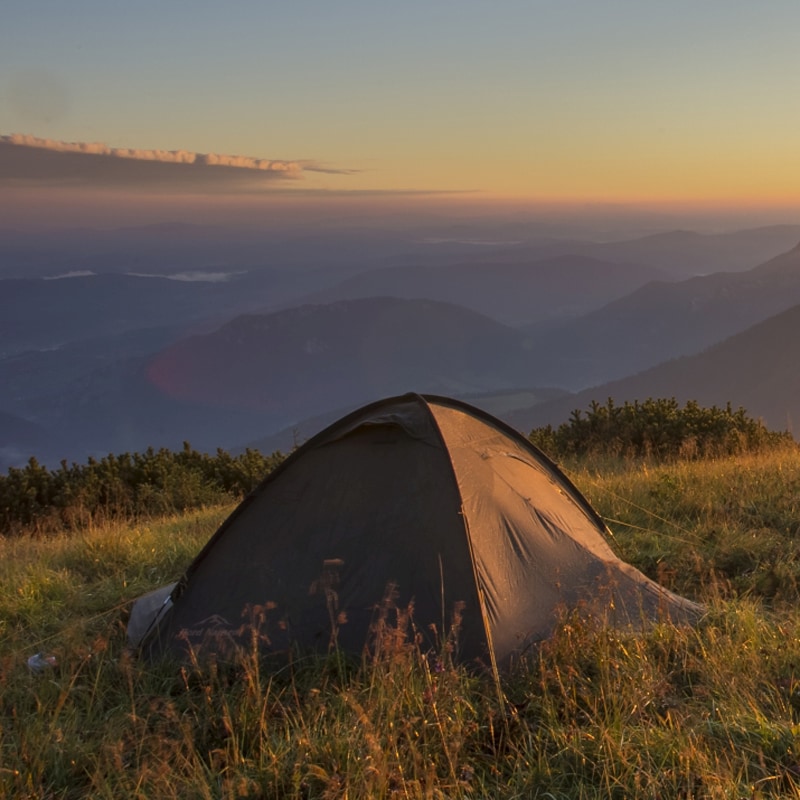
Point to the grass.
(706, 712)
(734, 522)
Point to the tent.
(413, 502)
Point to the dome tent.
(419, 499)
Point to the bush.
(127, 486)
(658, 429)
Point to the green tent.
(413, 503)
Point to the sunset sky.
(538, 101)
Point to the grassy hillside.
(712, 711)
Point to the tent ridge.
(487, 630)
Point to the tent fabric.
(146, 612)
(413, 501)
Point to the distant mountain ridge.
(259, 373)
(755, 369)
(685, 254)
(662, 320)
(305, 359)
(176, 246)
(39, 313)
(511, 292)
(106, 362)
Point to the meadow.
(711, 711)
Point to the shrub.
(659, 429)
(127, 486)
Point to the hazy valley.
(120, 340)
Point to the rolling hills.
(310, 358)
(662, 320)
(114, 362)
(259, 373)
(516, 292)
(755, 369)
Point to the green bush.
(659, 429)
(127, 486)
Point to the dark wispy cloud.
(29, 160)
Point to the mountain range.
(755, 369)
(114, 361)
(517, 292)
(169, 247)
(662, 320)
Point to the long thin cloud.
(26, 159)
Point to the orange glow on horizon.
(31, 207)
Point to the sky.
(690, 103)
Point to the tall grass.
(732, 523)
(706, 711)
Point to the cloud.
(30, 160)
(313, 166)
(162, 156)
